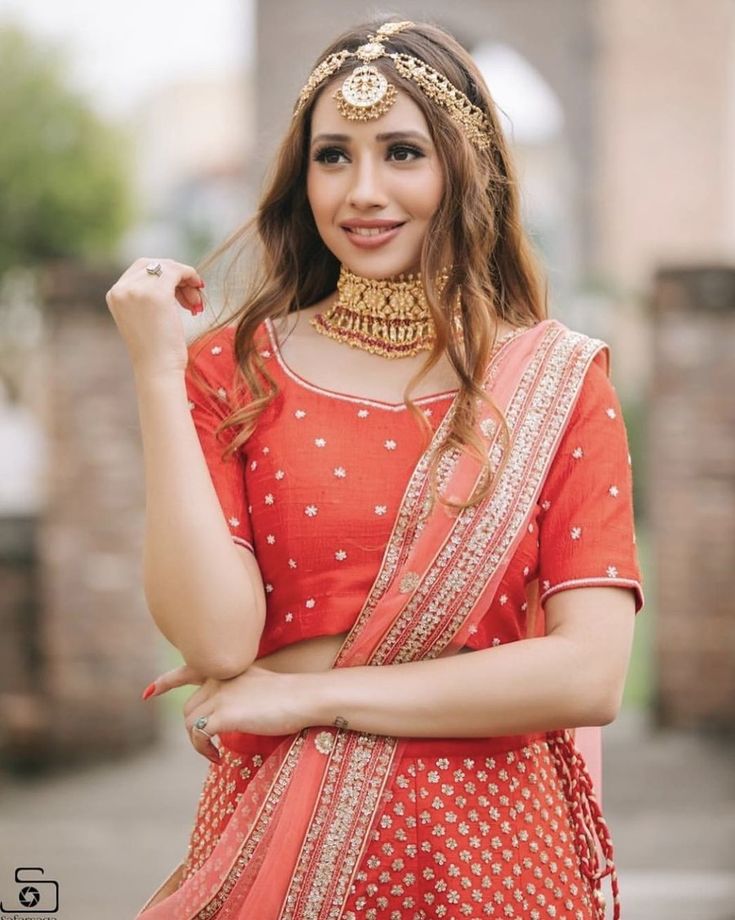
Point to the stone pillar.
(691, 459)
(94, 641)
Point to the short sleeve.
(586, 522)
(211, 359)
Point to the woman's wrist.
(317, 698)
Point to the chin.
(379, 268)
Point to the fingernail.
(201, 284)
(149, 691)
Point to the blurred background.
(145, 128)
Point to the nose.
(366, 189)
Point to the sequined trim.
(270, 802)
(482, 535)
(358, 768)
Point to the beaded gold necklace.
(385, 316)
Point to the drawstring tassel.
(590, 827)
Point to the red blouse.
(315, 489)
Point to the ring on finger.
(200, 724)
(154, 268)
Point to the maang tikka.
(366, 93)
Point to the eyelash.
(321, 155)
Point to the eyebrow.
(385, 136)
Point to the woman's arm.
(205, 593)
(571, 677)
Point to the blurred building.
(194, 141)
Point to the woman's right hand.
(146, 307)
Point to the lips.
(371, 234)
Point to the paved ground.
(110, 834)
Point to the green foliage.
(64, 185)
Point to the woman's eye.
(329, 155)
(404, 154)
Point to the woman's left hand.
(258, 701)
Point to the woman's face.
(373, 186)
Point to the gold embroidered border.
(280, 783)
(453, 584)
(407, 528)
(358, 767)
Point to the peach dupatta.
(294, 841)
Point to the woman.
(396, 611)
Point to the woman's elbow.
(221, 664)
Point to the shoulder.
(212, 352)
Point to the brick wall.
(691, 464)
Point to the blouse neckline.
(367, 400)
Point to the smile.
(370, 237)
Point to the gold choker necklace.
(388, 317)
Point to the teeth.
(370, 231)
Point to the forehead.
(403, 115)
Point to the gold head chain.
(366, 93)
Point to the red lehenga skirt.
(470, 828)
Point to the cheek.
(317, 193)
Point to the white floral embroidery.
(526, 570)
(530, 528)
(320, 442)
(250, 509)
(503, 599)
(612, 571)
(381, 509)
(428, 412)
(575, 533)
(192, 405)
(269, 499)
(269, 588)
(546, 504)
(611, 413)
(271, 538)
(546, 584)
(222, 393)
(265, 354)
(311, 510)
(472, 630)
(340, 472)
(216, 349)
(390, 444)
(310, 603)
(299, 413)
(495, 642)
(363, 413)
(254, 465)
(292, 563)
(266, 450)
(288, 617)
(578, 453)
(233, 522)
(279, 474)
(614, 491)
(524, 606)
(487, 427)
(340, 555)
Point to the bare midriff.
(317, 654)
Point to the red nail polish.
(149, 691)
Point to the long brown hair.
(476, 230)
